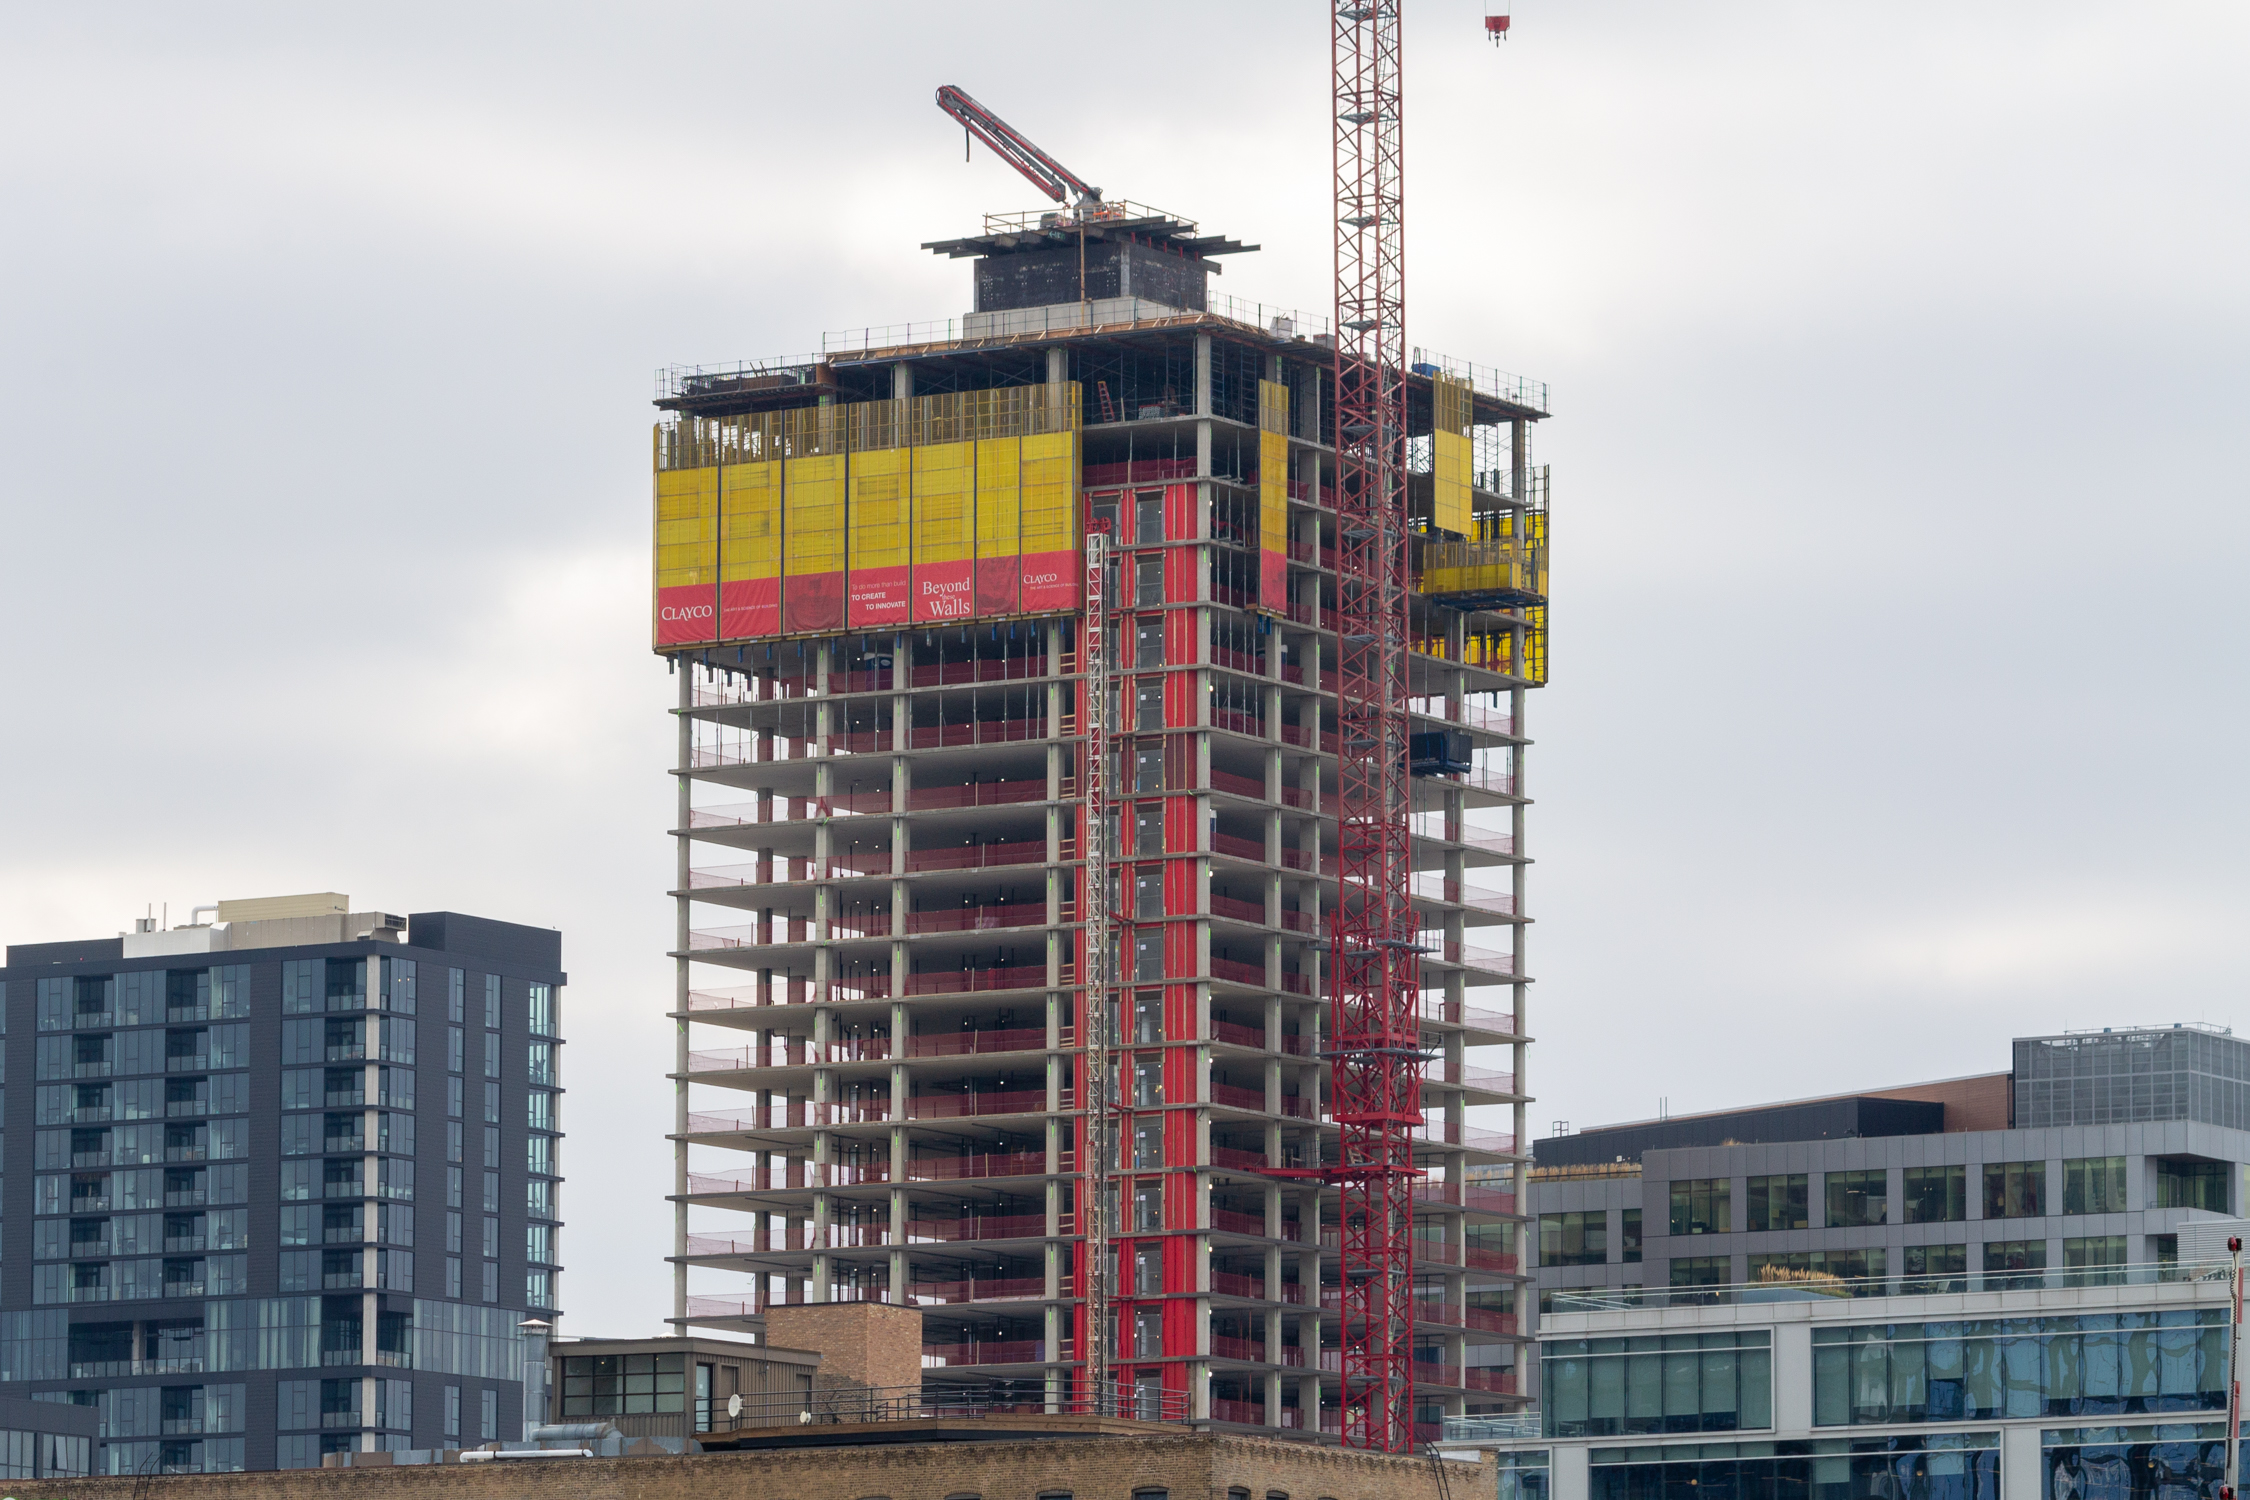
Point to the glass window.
(1574, 1239)
(1776, 1202)
(1935, 1195)
(492, 1002)
(2108, 1364)
(1824, 1266)
(1523, 1474)
(1632, 1236)
(610, 1385)
(1856, 1199)
(1699, 1206)
(2015, 1189)
(2180, 1462)
(1913, 1466)
(2191, 1184)
(2094, 1260)
(1701, 1270)
(2094, 1185)
(2011, 1264)
(540, 1006)
(1936, 1268)
(1710, 1382)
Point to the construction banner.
(687, 556)
(1452, 404)
(1050, 522)
(749, 550)
(999, 562)
(1273, 497)
(880, 500)
(944, 531)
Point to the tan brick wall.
(1189, 1466)
(866, 1343)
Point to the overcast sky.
(1897, 356)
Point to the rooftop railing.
(1819, 1286)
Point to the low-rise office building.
(2002, 1287)
(2090, 1153)
(2037, 1390)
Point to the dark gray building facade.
(281, 1184)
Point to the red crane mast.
(1374, 969)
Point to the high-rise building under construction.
(924, 786)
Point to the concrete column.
(685, 801)
(902, 381)
(1793, 1377)
(1058, 370)
(1570, 1476)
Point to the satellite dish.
(734, 1404)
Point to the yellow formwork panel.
(1273, 496)
(882, 492)
(812, 543)
(750, 525)
(998, 522)
(687, 527)
(813, 511)
(809, 518)
(944, 532)
(866, 426)
(1452, 458)
(944, 502)
(1050, 527)
(881, 501)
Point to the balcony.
(972, 1102)
(974, 1043)
(997, 1352)
(1468, 715)
(977, 1227)
(975, 732)
(977, 794)
(982, 1289)
(1429, 885)
(1475, 1199)
(989, 1164)
(973, 856)
(980, 918)
(975, 981)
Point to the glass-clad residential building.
(280, 1184)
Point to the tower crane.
(1375, 1042)
(1375, 1037)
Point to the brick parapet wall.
(1189, 1466)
